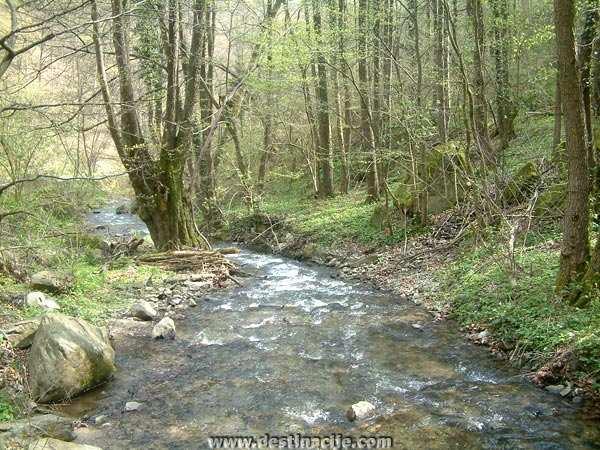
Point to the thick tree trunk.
(575, 245)
(158, 185)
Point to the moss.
(521, 184)
(551, 202)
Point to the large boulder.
(68, 356)
(55, 282)
(21, 334)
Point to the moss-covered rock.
(551, 202)
(522, 184)
(68, 356)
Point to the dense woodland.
(417, 114)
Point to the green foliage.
(328, 221)
(521, 308)
(7, 412)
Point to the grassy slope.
(517, 306)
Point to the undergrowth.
(518, 305)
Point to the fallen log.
(193, 261)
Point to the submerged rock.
(143, 310)
(165, 329)
(21, 334)
(68, 356)
(40, 300)
(360, 411)
(56, 282)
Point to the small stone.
(360, 411)
(175, 301)
(555, 389)
(417, 326)
(192, 303)
(38, 299)
(165, 329)
(106, 425)
(143, 310)
(99, 420)
(132, 406)
(197, 285)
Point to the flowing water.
(292, 348)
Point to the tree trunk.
(158, 186)
(480, 114)
(324, 150)
(575, 245)
(441, 102)
(507, 111)
(205, 162)
(367, 136)
(586, 39)
(558, 117)
(346, 97)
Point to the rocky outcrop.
(68, 356)
(21, 334)
(55, 282)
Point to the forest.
(227, 220)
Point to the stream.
(294, 347)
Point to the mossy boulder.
(522, 184)
(551, 202)
(68, 356)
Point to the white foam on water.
(309, 415)
(267, 321)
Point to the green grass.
(343, 218)
(7, 411)
(54, 238)
(521, 307)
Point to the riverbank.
(503, 299)
(100, 288)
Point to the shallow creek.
(294, 347)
